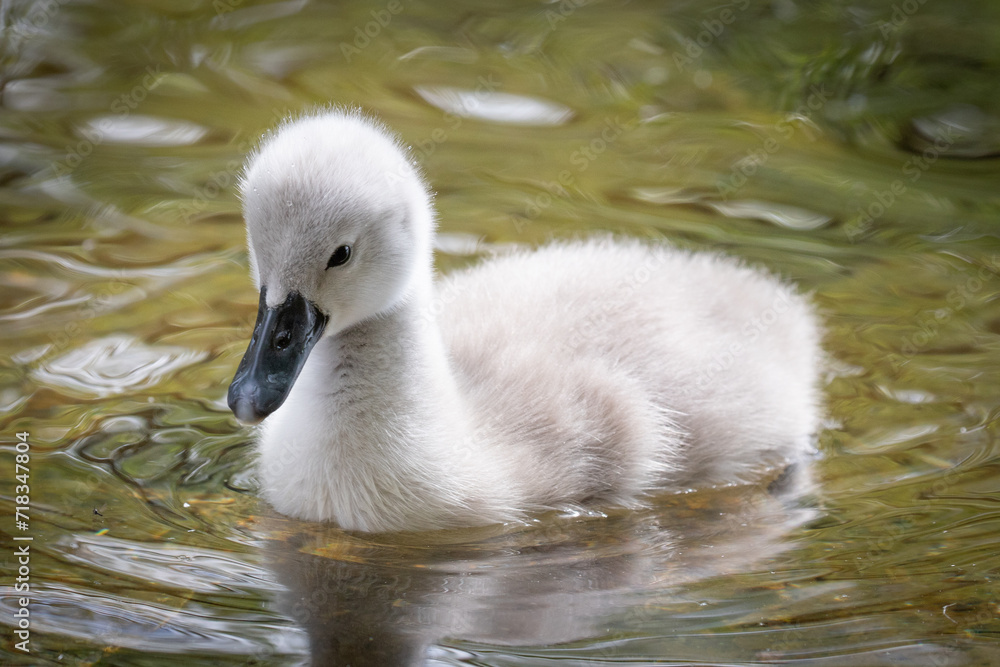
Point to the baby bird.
(586, 371)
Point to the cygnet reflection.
(393, 599)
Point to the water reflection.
(365, 600)
(161, 598)
(114, 365)
(484, 103)
(138, 130)
(961, 131)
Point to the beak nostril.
(284, 335)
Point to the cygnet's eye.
(339, 256)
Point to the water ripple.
(114, 365)
(173, 566)
(179, 626)
(490, 106)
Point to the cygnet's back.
(627, 366)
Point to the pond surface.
(851, 147)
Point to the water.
(852, 148)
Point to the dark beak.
(282, 339)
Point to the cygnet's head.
(339, 229)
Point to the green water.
(851, 147)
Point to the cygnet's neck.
(375, 434)
(389, 372)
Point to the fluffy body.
(593, 370)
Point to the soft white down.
(586, 371)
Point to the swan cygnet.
(593, 370)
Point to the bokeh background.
(851, 146)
